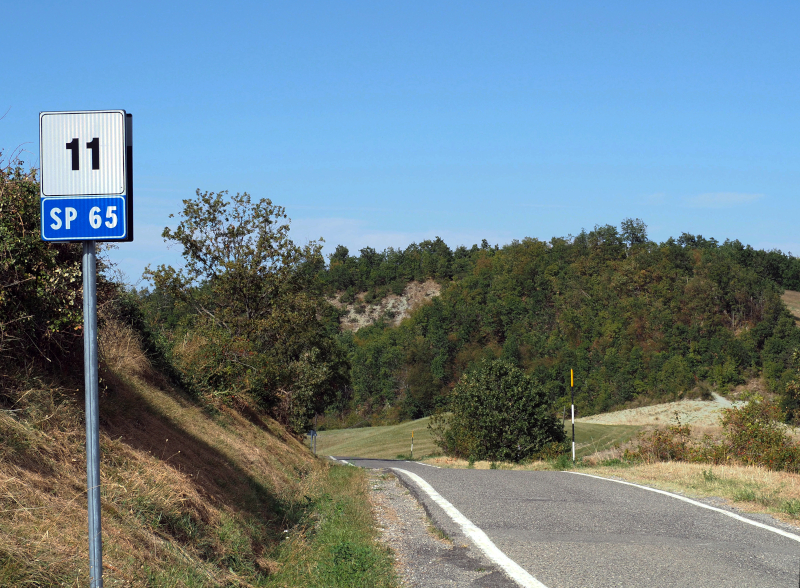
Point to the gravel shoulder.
(423, 557)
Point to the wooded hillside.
(636, 320)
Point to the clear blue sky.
(385, 123)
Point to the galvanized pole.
(92, 412)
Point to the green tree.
(255, 298)
(499, 413)
(634, 231)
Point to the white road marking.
(427, 464)
(700, 504)
(478, 537)
(344, 461)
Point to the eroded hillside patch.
(393, 308)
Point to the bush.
(498, 413)
(670, 444)
(40, 283)
(753, 435)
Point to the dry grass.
(792, 301)
(190, 497)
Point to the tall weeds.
(752, 435)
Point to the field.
(391, 442)
(792, 300)
(380, 442)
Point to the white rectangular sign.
(86, 160)
(82, 153)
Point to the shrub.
(497, 413)
(753, 435)
(670, 444)
(40, 283)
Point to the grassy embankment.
(191, 496)
(792, 301)
(391, 442)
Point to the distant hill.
(637, 321)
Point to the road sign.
(86, 175)
(86, 183)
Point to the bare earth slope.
(393, 307)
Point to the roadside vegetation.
(242, 318)
(198, 489)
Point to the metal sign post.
(92, 412)
(86, 184)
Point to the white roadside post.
(86, 160)
(572, 395)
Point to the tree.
(634, 231)
(255, 298)
(499, 413)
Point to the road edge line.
(697, 503)
(511, 568)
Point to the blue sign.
(86, 160)
(84, 219)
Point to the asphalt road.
(574, 531)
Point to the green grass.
(394, 441)
(386, 442)
(591, 438)
(336, 545)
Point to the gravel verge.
(425, 557)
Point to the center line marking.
(511, 568)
